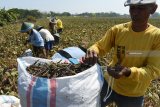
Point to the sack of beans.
(44, 83)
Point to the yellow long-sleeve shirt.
(140, 51)
(59, 24)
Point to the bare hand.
(90, 57)
(118, 71)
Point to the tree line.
(15, 14)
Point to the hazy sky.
(72, 6)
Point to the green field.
(82, 31)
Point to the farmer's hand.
(118, 71)
(90, 57)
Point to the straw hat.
(53, 20)
(26, 26)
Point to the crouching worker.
(53, 30)
(35, 39)
(48, 39)
(59, 25)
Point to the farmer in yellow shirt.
(59, 25)
(56, 24)
(136, 59)
(56, 28)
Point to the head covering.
(57, 34)
(53, 20)
(38, 28)
(26, 26)
(139, 2)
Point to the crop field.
(82, 31)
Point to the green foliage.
(31, 19)
(6, 17)
(12, 15)
(23, 13)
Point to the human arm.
(149, 68)
(150, 71)
(27, 41)
(100, 48)
(119, 71)
(146, 73)
(105, 44)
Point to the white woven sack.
(9, 101)
(80, 90)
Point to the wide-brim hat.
(26, 26)
(53, 20)
(38, 28)
(139, 2)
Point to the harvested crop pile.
(53, 70)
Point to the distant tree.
(14, 14)
(23, 13)
(53, 14)
(35, 13)
(65, 14)
(113, 14)
(7, 16)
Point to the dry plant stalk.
(53, 70)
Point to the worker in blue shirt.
(35, 39)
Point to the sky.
(71, 6)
